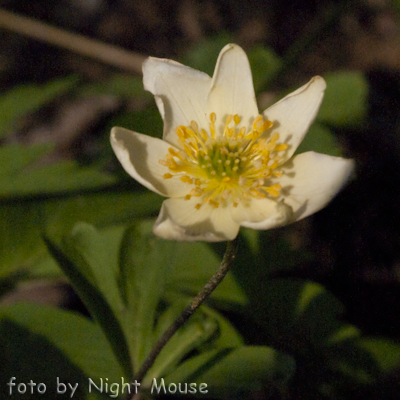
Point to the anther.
(194, 126)
(215, 204)
(186, 179)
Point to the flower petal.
(232, 90)
(262, 214)
(311, 180)
(139, 155)
(293, 115)
(180, 220)
(180, 92)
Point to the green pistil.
(219, 164)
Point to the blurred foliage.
(264, 65)
(203, 54)
(134, 284)
(29, 98)
(345, 100)
(21, 177)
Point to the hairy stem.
(226, 262)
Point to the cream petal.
(180, 220)
(262, 214)
(232, 90)
(311, 180)
(139, 155)
(180, 92)
(293, 115)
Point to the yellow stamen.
(227, 167)
(186, 179)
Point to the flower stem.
(216, 279)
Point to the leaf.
(228, 336)
(21, 177)
(28, 98)
(19, 238)
(320, 139)
(145, 262)
(80, 272)
(23, 220)
(189, 275)
(345, 100)
(17, 157)
(96, 256)
(385, 352)
(206, 328)
(303, 313)
(44, 343)
(248, 368)
(102, 209)
(264, 65)
(197, 331)
(191, 368)
(203, 55)
(118, 84)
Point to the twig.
(108, 54)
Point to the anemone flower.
(221, 164)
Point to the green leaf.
(96, 256)
(228, 336)
(197, 331)
(23, 220)
(191, 368)
(17, 157)
(122, 85)
(208, 328)
(203, 54)
(20, 240)
(145, 262)
(21, 177)
(303, 313)
(189, 275)
(345, 100)
(25, 99)
(82, 274)
(248, 368)
(264, 65)
(44, 343)
(385, 352)
(102, 209)
(321, 140)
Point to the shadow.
(140, 150)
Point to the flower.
(221, 163)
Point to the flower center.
(233, 165)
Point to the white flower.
(221, 163)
